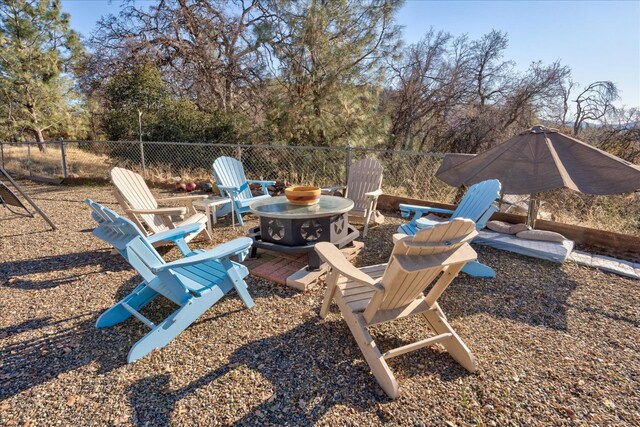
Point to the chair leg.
(239, 218)
(237, 280)
(332, 279)
(367, 218)
(206, 230)
(476, 269)
(370, 351)
(137, 299)
(371, 213)
(455, 346)
(164, 332)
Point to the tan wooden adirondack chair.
(364, 188)
(385, 292)
(142, 208)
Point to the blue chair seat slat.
(247, 202)
(209, 273)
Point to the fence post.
(29, 157)
(239, 153)
(63, 152)
(347, 161)
(144, 165)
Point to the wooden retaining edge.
(609, 242)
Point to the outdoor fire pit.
(290, 228)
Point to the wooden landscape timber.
(610, 243)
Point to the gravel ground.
(556, 344)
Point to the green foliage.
(130, 93)
(141, 91)
(37, 53)
(331, 66)
(181, 120)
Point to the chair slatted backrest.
(135, 248)
(418, 260)
(9, 199)
(478, 198)
(364, 176)
(135, 193)
(230, 173)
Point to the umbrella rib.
(566, 178)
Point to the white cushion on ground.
(506, 227)
(544, 235)
(552, 251)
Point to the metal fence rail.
(406, 173)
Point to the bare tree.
(566, 87)
(491, 73)
(426, 85)
(530, 93)
(208, 50)
(455, 95)
(594, 103)
(621, 136)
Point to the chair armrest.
(331, 190)
(183, 198)
(418, 211)
(177, 236)
(231, 190)
(160, 211)
(225, 250)
(263, 184)
(175, 233)
(375, 193)
(398, 236)
(335, 258)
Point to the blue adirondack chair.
(477, 205)
(194, 283)
(231, 179)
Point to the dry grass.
(22, 160)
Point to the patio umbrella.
(542, 159)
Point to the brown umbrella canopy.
(542, 159)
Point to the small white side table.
(210, 206)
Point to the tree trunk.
(40, 139)
(37, 131)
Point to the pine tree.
(331, 56)
(37, 53)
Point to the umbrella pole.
(532, 213)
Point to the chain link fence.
(406, 173)
(409, 174)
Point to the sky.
(598, 40)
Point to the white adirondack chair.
(363, 187)
(142, 208)
(385, 292)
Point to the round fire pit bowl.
(303, 196)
